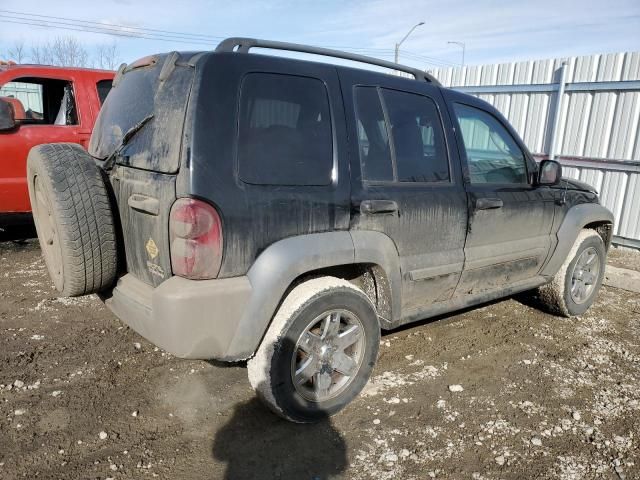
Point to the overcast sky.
(493, 30)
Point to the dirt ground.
(624, 258)
(83, 396)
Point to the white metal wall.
(29, 94)
(598, 133)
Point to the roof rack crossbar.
(242, 45)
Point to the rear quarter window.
(103, 87)
(285, 135)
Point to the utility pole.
(405, 37)
(460, 44)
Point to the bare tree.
(107, 56)
(61, 51)
(41, 54)
(68, 52)
(18, 51)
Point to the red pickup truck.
(42, 104)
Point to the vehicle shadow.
(443, 318)
(532, 299)
(256, 444)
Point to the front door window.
(42, 101)
(493, 156)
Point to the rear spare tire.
(73, 217)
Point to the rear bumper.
(188, 318)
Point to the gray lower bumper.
(188, 318)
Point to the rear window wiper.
(111, 159)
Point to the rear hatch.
(140, 130)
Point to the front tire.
(575, 287)
(319, 351)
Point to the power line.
(426, 59)
(100, 24)
(429, 61)
(407, 53)
(88, 26)
(118, 31)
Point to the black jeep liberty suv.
(235, 206)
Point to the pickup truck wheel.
(73, 218)
(319, 351)
(575, 287)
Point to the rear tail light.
(196, 239)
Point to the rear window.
(284, 133)
(140, 94)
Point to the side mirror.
(7, 116)
(549, 173)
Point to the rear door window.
(373, 138)
(405, 145)
(418, 139)
(285, 135)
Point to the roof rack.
(242, 45)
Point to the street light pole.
(460, 44)
(404, 38)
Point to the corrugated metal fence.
(29, 94)
(583, 111)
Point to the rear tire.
(318, 352)
(575, 287)
(73, 218)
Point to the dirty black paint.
(190, 149)
(430, 225)
(255, 216)
(146, 235)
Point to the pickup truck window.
(104, 87)
(493, 156)
(45, 101)
(284, 131)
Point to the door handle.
(145, 204)
(378, 206)
(488, 203)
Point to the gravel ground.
(502, 391)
